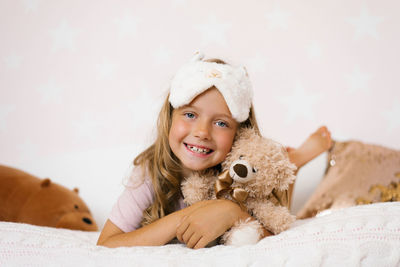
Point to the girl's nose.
(202, 130)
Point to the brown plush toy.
(27, 199)
(256, 174)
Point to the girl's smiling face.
(202, 132)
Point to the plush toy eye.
(76, 207)
(241, 157)
(254, 170)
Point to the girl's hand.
(208, 222)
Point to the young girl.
(208, 102)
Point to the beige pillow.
(357, 173)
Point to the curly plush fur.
(262, 168)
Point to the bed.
(366, 235)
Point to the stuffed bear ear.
(198, 55)
(76, 190)
(46, 182)
(286, 180)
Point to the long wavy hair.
(164, 167)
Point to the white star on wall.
(5, 111)
(256, 64)
(162, 56)
(50, 92)
(314, 50)
(31, 5)
(87, 126)
(127, 25)
(143, 110)
(358, 81)
(28, 150)
(178, 2)
(12, 61)
(213, 31)
(365, 24)
(278, 18)
(299, 104)
(392, 116)
(145, 101)
(64, 37)
(106, 70)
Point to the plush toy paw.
(246, 232)
(280, 220)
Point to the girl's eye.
(189, 115)
(241, 157)
(254, 170)
(222, 124)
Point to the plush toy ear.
(198, 55)
(245, 71)
(285, 181)
(46, 182)
(76, 190)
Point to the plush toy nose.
(87, 220)
(240, 170)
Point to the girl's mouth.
(199, 150)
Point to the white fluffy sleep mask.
(197, 76)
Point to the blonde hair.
(164, 167)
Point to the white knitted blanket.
(359, 236)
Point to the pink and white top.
(127, 212)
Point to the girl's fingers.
(201, 243)
(181, 229)
(187, 235)
(194, 239)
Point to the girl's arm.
(157, 233)
(196, 226)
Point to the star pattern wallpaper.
(81, 82)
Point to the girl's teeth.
(199, 150)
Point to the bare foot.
(317, 143)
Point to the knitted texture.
(366, 235)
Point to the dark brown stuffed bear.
(27, 199)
